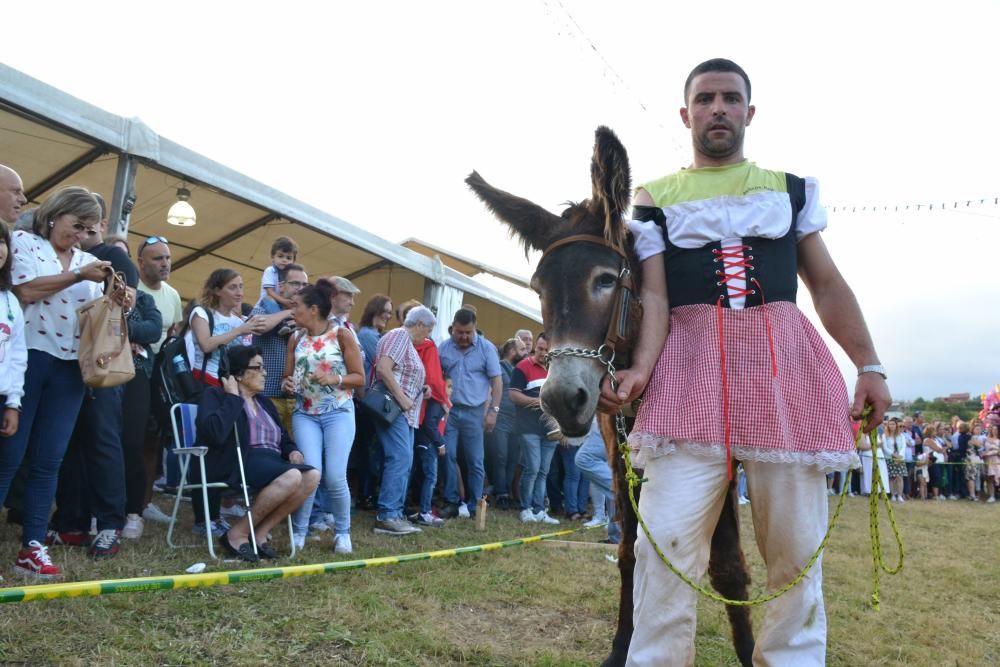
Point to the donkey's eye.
(606, 280)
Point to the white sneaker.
(744, 500)
(596, 522)
(463, 511)
(300, 541)
(133, 527)
(830, 492)
(155, 514)
(235, 511)
(527, 516)
(992, 499)
(543, 517)
(342, 544)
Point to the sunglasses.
(257, 367)
(152, 240)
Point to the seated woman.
(271, 463)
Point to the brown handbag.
(105, 353)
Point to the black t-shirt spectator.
(528, 378)
(119, 261)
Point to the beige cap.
(344, 285)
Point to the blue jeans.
(427, 439)
(92, 475)
(500, 462)
(592, 461)
(536, 457)
(576, 489)
(397, 447)
(465, 427)
(325, 442)
(53, 392)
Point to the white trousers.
(681, 503)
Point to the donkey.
(588, 292)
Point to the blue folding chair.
(182, 421)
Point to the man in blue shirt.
(472, 364)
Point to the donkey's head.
(578, 281)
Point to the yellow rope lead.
(877, 559)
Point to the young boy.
(283, 253)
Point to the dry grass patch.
(522, 606)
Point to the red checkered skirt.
(800, 414)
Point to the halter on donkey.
(588, 292)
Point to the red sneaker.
(34, 561)
(67, 539)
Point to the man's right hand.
(631, 384)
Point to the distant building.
(954, 398)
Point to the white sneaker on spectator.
(527, 516)
(428, 519)
(155, 514)
(952, 497)
(342, 544)
(744, 500)
(596, 522)
(395, 526)
(463, 511)
(300, 541)
(992, 499)
(235, 511)
(133, 527)
(543, 517)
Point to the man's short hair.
(464, 317)
(509, 344)
(542, 336)
(716, 65)
(283, 274)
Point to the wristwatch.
(495, 408)
(873, 368)
(76, 275)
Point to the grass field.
(541, 604)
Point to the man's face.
(11, 196)
(341, 303)
(541, 351)
(907, 423)
(154, 262)
(463, 334)
(525, 338)
(717, 114)
(294, 281)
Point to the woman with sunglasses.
(52, 277)
(273, 467)
(322, 370)
(216, 324)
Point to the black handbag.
(379, 403)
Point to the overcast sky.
(376, 111)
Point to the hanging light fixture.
(182, 213)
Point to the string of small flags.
(896, 208)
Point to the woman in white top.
(221, 301)
(866, 466)
(893, 444)
(13, 350)
(52, 278)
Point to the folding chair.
(182, 421)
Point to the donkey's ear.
(612, 183)
(535, 226)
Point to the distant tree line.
(941, 411)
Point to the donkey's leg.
(626, 552)
(730, 576)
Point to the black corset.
(695, 276)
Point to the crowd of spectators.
(282, 380)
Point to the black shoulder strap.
(647, 213)
(797, 194)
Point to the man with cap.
(11, 195)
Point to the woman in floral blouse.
(322, 369)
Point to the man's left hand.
(871, 389)
(490, 421)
